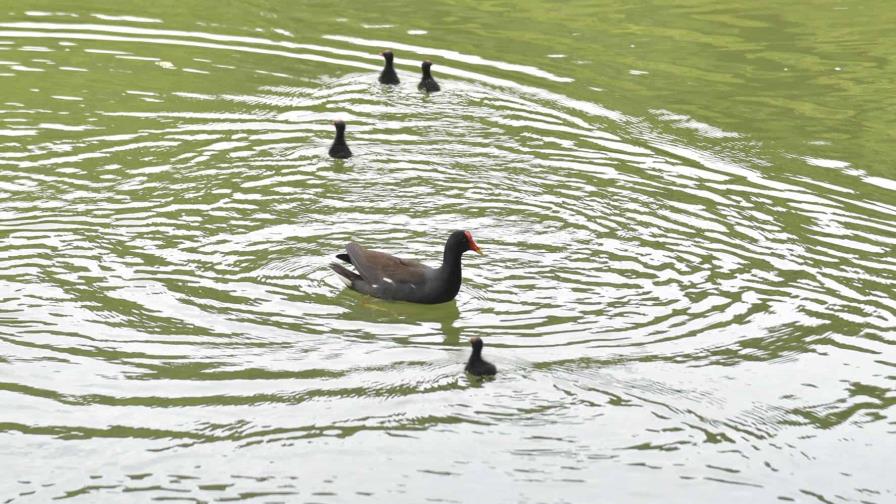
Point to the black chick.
(427, 83)
(388, 75)
(476, 365)
(339, 149)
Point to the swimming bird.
(388, 75)
(477, 365)
(388, 277)
(339, 149)
(427, 83)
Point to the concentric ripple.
(659, 307)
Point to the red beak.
(472, 243)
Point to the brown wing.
(376, 267)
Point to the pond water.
(688, 213)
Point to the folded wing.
(378, 267)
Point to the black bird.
(427, 83)
(388, 277)
(339, 149)
(388, 75)
(476, 365)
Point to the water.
(687, 212)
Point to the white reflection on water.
(658, 309)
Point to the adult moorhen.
(339, 149)
(477, 365)
(388, 277)
(427, 83)
(388, 75)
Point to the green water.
(688, 211)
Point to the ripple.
(164, 281)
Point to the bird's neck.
(340, 137)
(451, 268)
(426, 74)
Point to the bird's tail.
(345, 275)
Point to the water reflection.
(651, 299)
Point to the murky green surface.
(688, 211)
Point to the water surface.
(687, 211)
